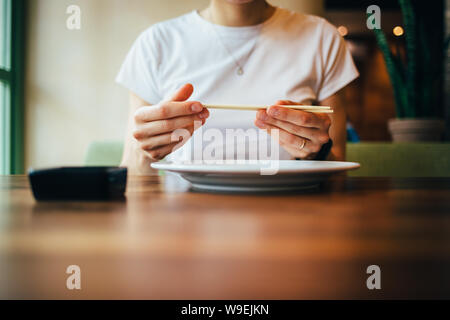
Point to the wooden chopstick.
(313, 109)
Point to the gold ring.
(303, 144)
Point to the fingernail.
(260, 124)
(274, 112)
(197, 107)
(203, 115)
(262, 116)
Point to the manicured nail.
(203, 115)
(260, 124)
(274, 112)
(197, 107)
(262, 116)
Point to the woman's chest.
(271, 71)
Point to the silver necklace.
(240, 67)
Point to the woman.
(236, 52)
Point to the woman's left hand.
(301, 133)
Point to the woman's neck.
(230, 14)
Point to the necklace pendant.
(240, 71)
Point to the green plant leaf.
(409, 20)
(395, 71)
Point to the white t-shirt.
(291, 56)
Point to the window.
(12, 13)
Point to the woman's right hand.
(157, 127)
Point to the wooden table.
(165, 242)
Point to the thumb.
(184, 93)
(287, 102)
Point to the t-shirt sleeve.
(338, 66)
(139, 71)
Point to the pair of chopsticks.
(313, 109)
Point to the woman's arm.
(155, 131)
(134, 158)
(303, 134)
(338, 129)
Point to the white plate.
(246, 177)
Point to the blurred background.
(58, 94)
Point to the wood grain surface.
(166, 242)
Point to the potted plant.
(417, 75)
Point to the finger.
(313, 134)
(286, 103)
(299, 154)
(184, 93)
(153, 128)
(287, 139)
(166, 138)
(298, 117)
(291, 103)
(168, 110)
(161, 152)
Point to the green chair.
(377, 159)
(107, 153)
(400, 159)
